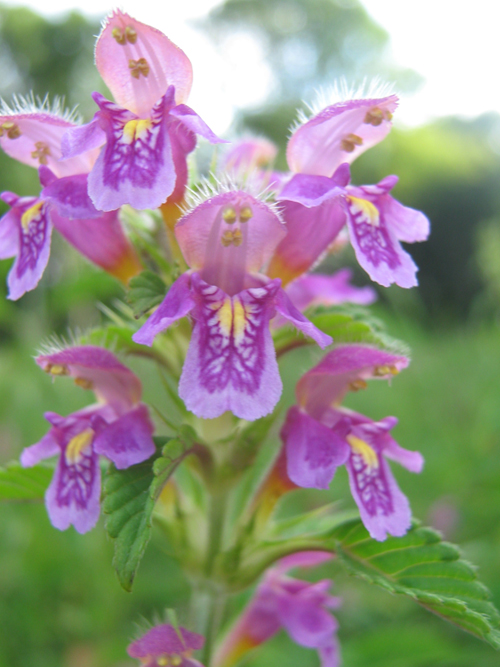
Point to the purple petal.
(382, 506)
(70, 197)
(82, 139)
(182, 142)
(102, 241)
(127, 440)
(307, 623)
(47, 447)
(303, 559)
(231, 362)
(412, 461)
(314, 451)
(329, 381)
(158, 64)
(38, 142)
(112, 382)
(165, 640)
(193, 122)
(321, 290)
(177, 304)
(310, 231)
(286, 308)
(330, 654)
(135, 166)
(9, 235)
(35, 230)
(74, 493)
(205, 236)
(377, 249)
(339, 134)
(313, 191)
(406, 223)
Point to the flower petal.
(408, 224)
(177, 304)
(287, 310)
(206, 234)
(9, 235)
(327, 290)
(339, 370)
(48, 446)
(135, 166)
(314, 452)
(102, 241)
(310, 231)
(306, 621)
(330, 654)
(70, 197)
(165, 640)
(112, 382)
(138, 63)
(313, 191)
(35, 231)
(231, 362)
(127, 440)
(193, 122)
(73, 497)
(82, 139)
(37, 141)
(339, 133)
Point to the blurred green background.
(60, 603)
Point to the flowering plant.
(212, 291)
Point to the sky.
(454, 49)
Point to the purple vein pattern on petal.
(138, 63)
(135, 166)
(231, 362)
(339, 133)
(34, 230)
(36, 140)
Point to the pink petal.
(310, 233)
(112, 382)
(407, 224)
(9, 235)
(102, 241)
(321, 144)
(287, 310)
(127, 440)
(165, 640)
(193, 122)
(39, 143)
(70, 196)
(201, 232)
(48, 446)
(124, 40)
(82, 139)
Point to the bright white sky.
(452, 44)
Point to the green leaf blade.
(24, 484)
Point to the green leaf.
(146, 291)
(24, 484)
(129, 499)
(418, 565)
(345, 324)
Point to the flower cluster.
(248, 250)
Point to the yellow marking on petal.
(131, 34)
(225, 316)
(367, 453)
(29, 215)
(10, 129)
(77, 445)
(369, 211)
(84, 383)
(136, 129)
(119, 36)
(246, 214)
(163, 660)
(239, 321)
(56, 369)
(350, 141)
(175, 660)
(138, 67)
(229, 215)
(382, 371)
(357, 384)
